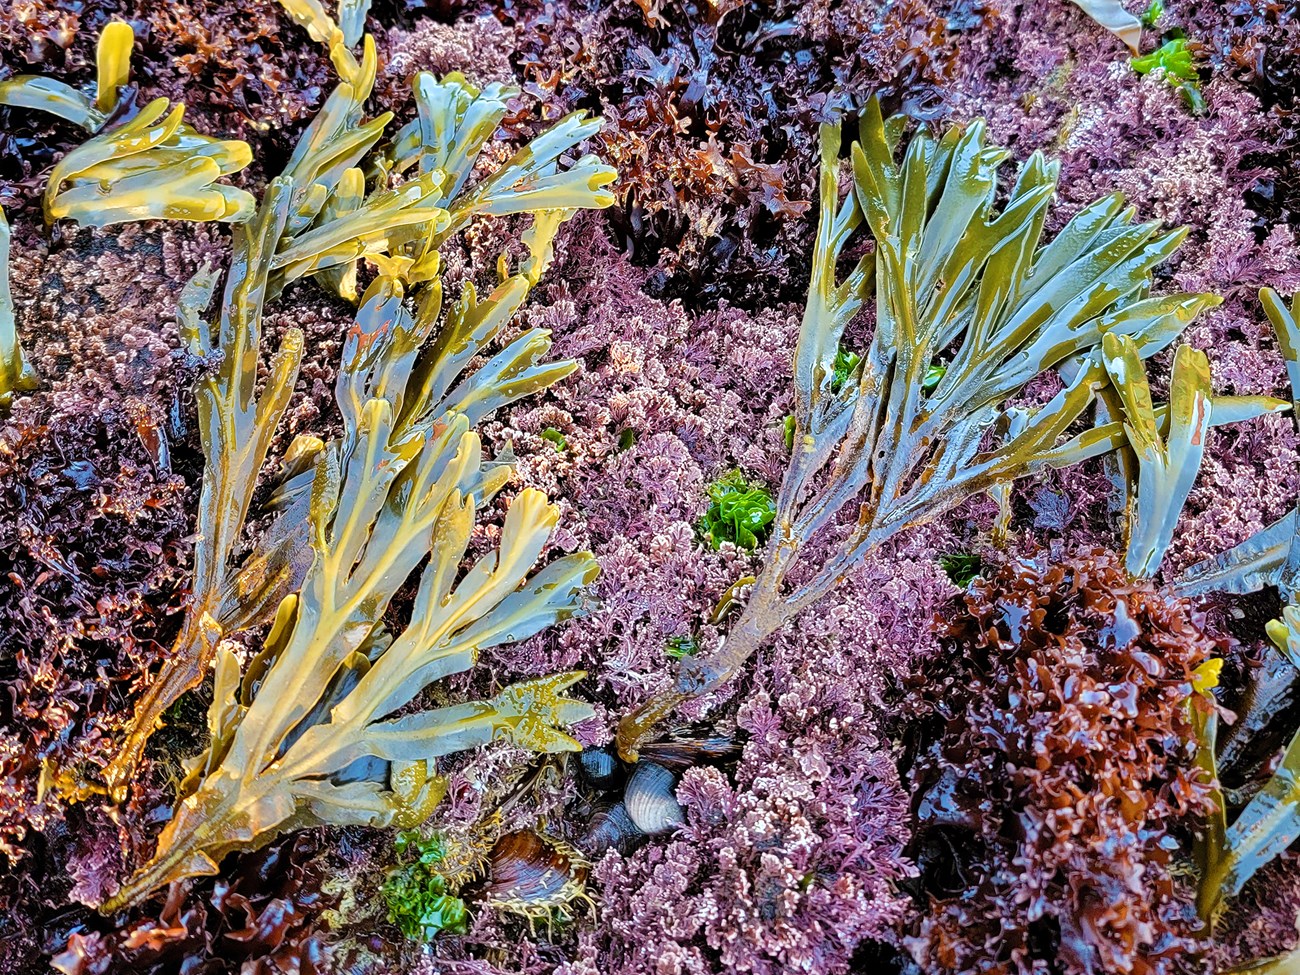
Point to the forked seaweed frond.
(339, 37)
(235, 428)
(1263, 831)
(305, 736)
(1230, 854)
(275, 566)
(1270, 557)
(958, 281)
(145, 166)
(317, 219)
(1166, 450)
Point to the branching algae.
(956, 281)
(1269, 824)
(148, 165)
(1265, 829)
(1271, 556)
(304, 736)
(340, 36)
(318, 220)
(1162, 449)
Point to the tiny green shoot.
(1179, 67)
(1173, 57)
(846, 364)
(681, 646)
(1152, 13)
(932, 376)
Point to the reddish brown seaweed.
(1054, 768)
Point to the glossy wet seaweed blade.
(1164, 450)
(1232, 850)
(1112, 15)
(235, 430)
(318, 220)
(963, 284)
(145, 165)
(303, 736)
(16, 375)
(1271, 556)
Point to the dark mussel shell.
(679, 754)
(649, 798)
(610, 828)
(601, 767)
(529, 871)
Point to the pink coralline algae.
(788, 870)
(791, 861)
(661, 408)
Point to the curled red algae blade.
(1057, 757)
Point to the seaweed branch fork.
(963, 288)
(318, 220)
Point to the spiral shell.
(649, 798)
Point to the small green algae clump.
(740, 513)
(417, 895)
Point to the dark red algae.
(1053, 777)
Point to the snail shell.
(649, 798)
(527, 871)
(610, 828)
(600, 767)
